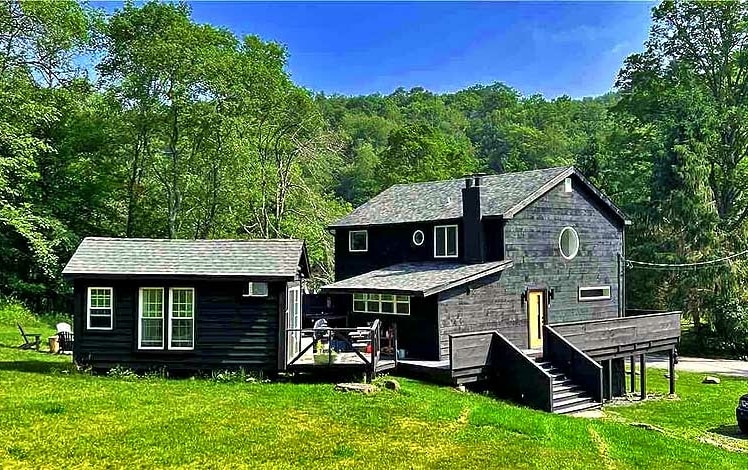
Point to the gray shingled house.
(516, 278)
(186, 304)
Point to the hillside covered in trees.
(144, 123)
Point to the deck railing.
(334, 347)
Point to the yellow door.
(535, 314)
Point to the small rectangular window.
(151, 318)
(381, 303)
(567, 185)
(445, 241)
(181, 318)
(594, 293)
(100, 308)
(257, 289)
(358, 241)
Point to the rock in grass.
(461, 388)
(356, 387)
(710, 380)
(391, 384)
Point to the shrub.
(727, 331)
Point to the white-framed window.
(568, 243)
(381, 303)
(358, 241)
(181, 318)
(594, 293)
(445, 241)
(100, 308)
(567, 185)
(257, 289)
(418, 237)
(151, 318)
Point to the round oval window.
(418, 238)
(568, 242)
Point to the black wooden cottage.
(186, 304)
(518, 278)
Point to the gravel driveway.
(730, 367)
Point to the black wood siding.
(531, 239)
(231, 331)
(495, 302)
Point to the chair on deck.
(29, 344)
(65, 340)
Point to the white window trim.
(567, 185)
(140, 318)
(560, 248)
(599, 297)
(379, 302)
(171, 317)
(423, 237)
(350, 241)
(111, 309)
(446, 243)
(250, 292)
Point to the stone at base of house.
(355, 387)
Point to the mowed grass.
(52, 416)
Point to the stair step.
(571, 392)
(564, 386)
(573, 400)
(582, 406)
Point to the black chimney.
(472, 227)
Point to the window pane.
(152, 332)
(403, 308)
(359, 297)
(101, 298)
(181, 333)
(182, 303)
(152, 303)
(403, 298)
(359, 306)
(100, 321)
(452, 241)
(388, 307)
(372, 305)
(440, 241)
(358, 240)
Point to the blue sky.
(572, 48)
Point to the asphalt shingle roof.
(139, 256)
(441, 200)
(417, 278)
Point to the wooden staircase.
(568, 397)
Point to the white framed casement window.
(381, 303)
(445, 241)
(358, 241)
(257, 289)
(181, 318)
(100, 308)
(151, 318)
(594, 293)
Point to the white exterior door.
(293, 321)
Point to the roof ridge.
(486, 175)
(201, 240)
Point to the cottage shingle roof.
(417, 278)
(501, 195)
(138, 256)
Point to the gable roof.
(501, 196)
(220, 258)
(417, 278)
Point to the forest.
(144, 123)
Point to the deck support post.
(632, 372)
(643, 376)
(671, 357)
(609, 380)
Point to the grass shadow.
(731, 430)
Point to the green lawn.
(50, 414)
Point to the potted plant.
(323, 356)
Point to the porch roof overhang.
(419, 279)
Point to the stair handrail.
(591, 374)
(524, 360)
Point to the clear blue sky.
(568, 48)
